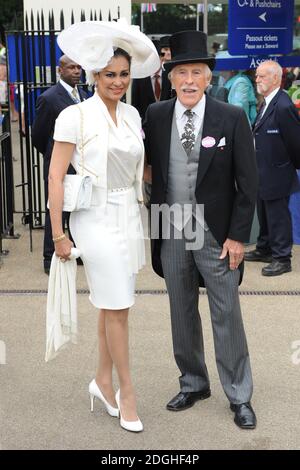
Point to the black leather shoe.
(276, 268)
(184, 400)
(244, 416)
(257, 255)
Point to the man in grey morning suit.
(201, 152)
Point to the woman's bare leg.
(116, 324)
(105, 363)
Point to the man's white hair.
(273, 67)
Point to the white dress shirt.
(70, 89)
(269, 98)
(182, 219)
(182, 118)
(123, 153)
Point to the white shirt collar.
(198, 109)
(269, 98)
(67, 87)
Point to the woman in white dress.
(108, 234)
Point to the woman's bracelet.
(58, 239)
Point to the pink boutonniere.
(208, 142)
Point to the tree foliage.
(11, 15)
(170, 18)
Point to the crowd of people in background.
(236, 87)
(7, 92)
(3, 79)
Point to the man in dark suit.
(204, 171)
(277, 142)
(48, 107)
(143, 92)
(165, 56)
(151, 89)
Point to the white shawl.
(61, 317)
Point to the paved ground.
(46, 406)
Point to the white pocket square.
(222, 142)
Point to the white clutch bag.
(77, 193)
(77, 188)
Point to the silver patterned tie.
(75, 95)
(188, 136)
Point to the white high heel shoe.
(134, 426)
(95, 391)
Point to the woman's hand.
(63, 248)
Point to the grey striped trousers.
(181, 269)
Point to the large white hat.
(91, 44)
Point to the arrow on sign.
(263, 17)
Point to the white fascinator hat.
(91, 44)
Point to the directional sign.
(246, 63)
(260, 27)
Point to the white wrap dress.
(109, 235)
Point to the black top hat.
(189, 47)
(164, 41)
(156, 43)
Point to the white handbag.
(77, 193)
(77, 188)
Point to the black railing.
(6, 185)
(33, 56)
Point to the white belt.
(98, 194)
(113, 190)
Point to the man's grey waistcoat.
(182, 174)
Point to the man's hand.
(236, 252)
